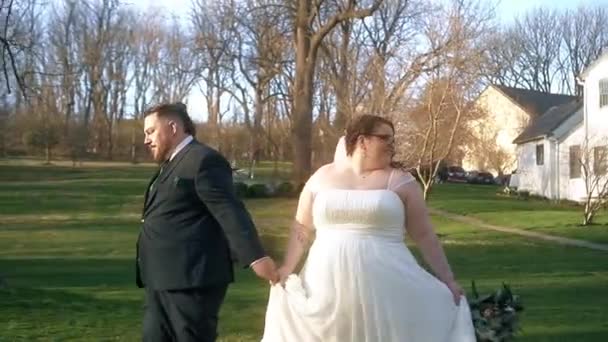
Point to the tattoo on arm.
(301, 233)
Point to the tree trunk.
(589, 214)
(302, 111)
(343, 86)
(302, 128)
(255, 140)
(133, 147)
(426, 190)
(48, 154)
(110, 141)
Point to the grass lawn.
(533, 214)
(67, 240)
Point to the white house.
(552, 151)
(505, 112)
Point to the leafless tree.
(213, 41)
(147, 41)
(176, 72)
(584, 34)
(258, 59)
(593, 163)
(13, 29)
(314, 20)
(436, 125)
(62, 40)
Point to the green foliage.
(284, 189)
(241, 189)
(257, 190)
(495, 316)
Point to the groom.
(191, 221)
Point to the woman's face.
(379, 145)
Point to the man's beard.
(161, 154)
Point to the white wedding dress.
(361, 283)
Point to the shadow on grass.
(68, 272)
(21, 173)
(101, 303)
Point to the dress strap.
(407, 178)
(390, 177)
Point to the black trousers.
(182, 315)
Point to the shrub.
(284, 189)
(241, 189)
(257, 191)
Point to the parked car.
(456, 174)
(503, 179)
(484, 178)
(480, 177)
(472, 176)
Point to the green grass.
(537, 215)
(67, 240)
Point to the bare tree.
(311, 27)
(213, 40)
(585, 35)
(482, 143)
(395, 60)
(43, 126)
(260, 58)
(536, 32)
(146, 41)
(62, 39)
(176, 72)
(12, 29)
(593, 160)
(436, 124)
(117, 78)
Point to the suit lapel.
(150, 192)
(173, 163)
(161, 177)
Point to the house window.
(603, 92)
(540, 154)
(600, 163)
(575, 161)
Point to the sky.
(506, 12)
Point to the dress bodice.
(378, 212)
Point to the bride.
(360, 282)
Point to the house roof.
(533, 102)
(545, 124)
(585, 73)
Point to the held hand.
(456, 290)
(284, 272)
(266, 269)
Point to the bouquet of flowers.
(495, 315)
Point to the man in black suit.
(191, 221)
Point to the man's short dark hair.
(174, 110)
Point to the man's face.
(159, 136)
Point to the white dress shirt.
(181, 146)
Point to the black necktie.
(163, 166)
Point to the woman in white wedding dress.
(360, 282)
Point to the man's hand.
(265, 268)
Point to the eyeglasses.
(389, 138)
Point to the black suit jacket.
(191, 221)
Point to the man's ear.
(173, 125)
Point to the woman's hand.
(456, 290)
(284, 272)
